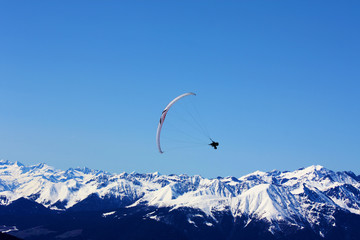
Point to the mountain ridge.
(305, 198)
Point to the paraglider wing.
(163, 115)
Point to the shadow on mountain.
(34, 221)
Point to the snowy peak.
(275, 196)
(266, 201)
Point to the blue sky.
(84, 83)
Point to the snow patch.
(108, 213)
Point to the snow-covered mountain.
(305, 198)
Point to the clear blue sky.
(83, 83)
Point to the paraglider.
(214, 144)
(163, 116)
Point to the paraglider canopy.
(163, 116)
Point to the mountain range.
(41, 202)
